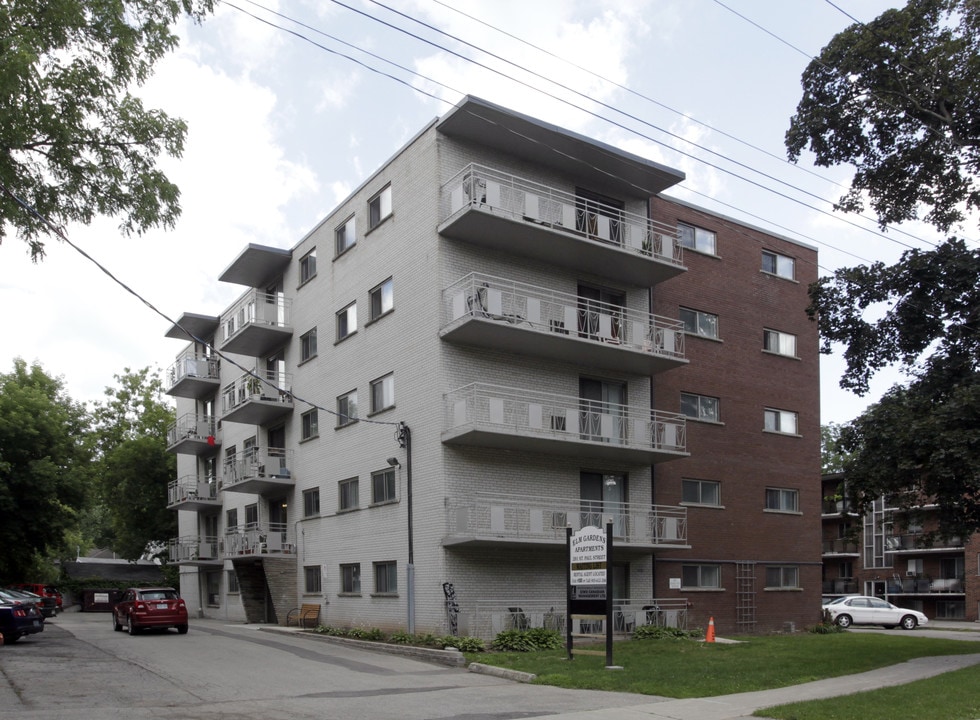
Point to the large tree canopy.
(74, 143)
(899, 98)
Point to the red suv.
(143, 608)
(44, 591)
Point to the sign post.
(590, 580)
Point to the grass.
(688, 669)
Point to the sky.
(292, 104)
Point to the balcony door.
(603, 495)
(602, 410)
(599, 216)
(275, 452)
(278, 523)
(275, 372)
(600, 313)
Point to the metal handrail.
(191, 425)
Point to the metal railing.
(254, 463)
(193, 547)
(839, 545)
(255, 308)
(191, 487)
(267, 385)
(191, 426)
(192, 365)
(533, 203)
(256, 539)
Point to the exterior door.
(603, 496)
(602, 407)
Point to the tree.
(44, 467)
(832, 457)
(74, 142)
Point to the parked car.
(867, 610)
(48, 606)
(18, 619)
(144, 608)
(44, 590)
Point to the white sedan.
(866, 610)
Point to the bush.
(528, 640)
(463, 644)
(657, 632)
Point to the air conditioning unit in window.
(910, 573)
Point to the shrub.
(463, 644)
(401, 637)
(527, 640)
(657, 632)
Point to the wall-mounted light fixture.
(393, 461)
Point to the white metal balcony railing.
(261, 385)
(192, 548)
(538, 518)
(256, 539)
(191, 365)
(521, 412)
(192, 427)
(255, 308)
(546, 311)
(192, 488)
(256, 464)
(532, 202)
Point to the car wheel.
(131, 626)
(909, 622)
(844, 621)
(115, 623)
(182, 629)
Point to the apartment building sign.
(588, 563)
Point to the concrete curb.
(450, 657)
(515, 675)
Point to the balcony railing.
(255, 539)
(925, 586)
(193, 493)
(258, 470)
(256, 324)
(193, 435)
(915, 542)
(519, 419)
(193, 376)
(840, 586)
(504, 314)
(257, 398)
(506, 212)
(194, 550)
(840, 546)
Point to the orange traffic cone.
(710, 635)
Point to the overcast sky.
(282, 128)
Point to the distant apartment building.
(504, 332)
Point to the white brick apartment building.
(457, 363)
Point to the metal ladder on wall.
(745, 596)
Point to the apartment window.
(231, 518)
(385, 577)
(311, 425)
(347, 321)
(701, 492)
(382, 299)
(701, 576)
(350, 579)
(699, 323)
(697, 238)
(780, 421)
(307, 266)
(782, 343)
(383, 393)
(348, 494)
(700, 407)
(252, 515)
(307, 345)
(383, 486)
(346, 236)
(379, 207)
(311, 502)
(786, 577)
(776, 264)
(311, 579)
(232, 579)
(782, 500)
(347, 408)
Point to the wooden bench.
(305, 616)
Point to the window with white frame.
(350, 579)
(382, 299)
(347, 408)
(379, 207)
(311, 502)
(782, 500)
(231, 518)
(348, 494)
(347, 321)
(307, 345)
(383, 393)
(785, 577)
(311, 579)
(383, 486)
(346, 236)
(701, 576)
(780, 421)
(699, 323)
(697, 238)
(701, 492)
(776, 264)
(232, 579)
(386, 577)
(311, 425)
(700, 407)
(307, 266)
(782, 343)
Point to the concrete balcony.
(193, 493)
(193, 435)
(506, 213)
(916, 544)
(256, 325)
(259, 471)
(196, 551)
(485, 519)
(257, 398)
(193, 376)
(252, 540)
(522, 419)
(839, 547)
(494, 313)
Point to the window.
(346, 236)
(347, 408)
(781, 265)
(232, 581)
(231, 518)
(350, 579)
(385, 577)
(252, 514)
(311, 579)
(382, 299)
(311, 502)
(699, 323)
(383, 486)
(348, 494)
(307, 266)
(347, 321)
(782, 500)
(701, 492)
(307, 345)
(701, 576)
(700, 407)
(383, 393)
(779, 342)
(697, 238)
(780, 421)
(311, 426)
(782, 576)
(379, 207)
